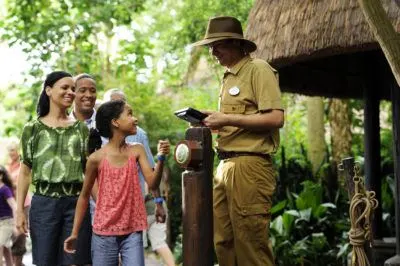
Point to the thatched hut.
(311, 40)
(325, 48)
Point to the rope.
(361, 208)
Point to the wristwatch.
(161, 157)
(158, 200)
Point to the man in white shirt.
(83, 110)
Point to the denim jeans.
(50, 222)
(106, 250)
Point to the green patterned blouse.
(55, 156)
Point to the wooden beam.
(372, 148)
(340, 76)
(395, 261)
(396, 156)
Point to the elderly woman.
(18, 248)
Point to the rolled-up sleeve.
(27, 144)
(266, 88)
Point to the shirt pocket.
(233, 108)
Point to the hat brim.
(250, 46)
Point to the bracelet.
(161, 157)
(158, 200)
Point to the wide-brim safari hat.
(222, 28)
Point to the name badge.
(234, 91)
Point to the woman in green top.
(53, 158)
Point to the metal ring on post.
(188, 154)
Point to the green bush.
(307, 231)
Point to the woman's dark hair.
(6, 177)
(105, 114)
(43, 106)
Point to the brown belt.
(223, 155)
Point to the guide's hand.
(215, 120)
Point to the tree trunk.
(316, 132)
(384, 32)
(340, 124)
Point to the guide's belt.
(223, 155)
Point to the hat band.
(224, 34)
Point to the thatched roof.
(286, 31)
(299, 33)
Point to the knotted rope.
(361, 209)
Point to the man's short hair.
(83, 76)
(108, 94)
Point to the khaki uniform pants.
(243, 190)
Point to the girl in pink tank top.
(120, 214)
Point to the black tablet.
(190, 115)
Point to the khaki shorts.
(6, 231)
(157, 233)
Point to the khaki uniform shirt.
(251, 86)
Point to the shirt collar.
(87, 121)
(92, 118)
(236, 68)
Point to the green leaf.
(293, 213)
(329, 205)
(343, 250)
(288, 223)
(278, 207)
(306, 214)
(319, 241)
(277, 225)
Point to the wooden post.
(395, 261)
(372, 151)
(348, 167)
(197, 205)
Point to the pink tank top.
(120, 206)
